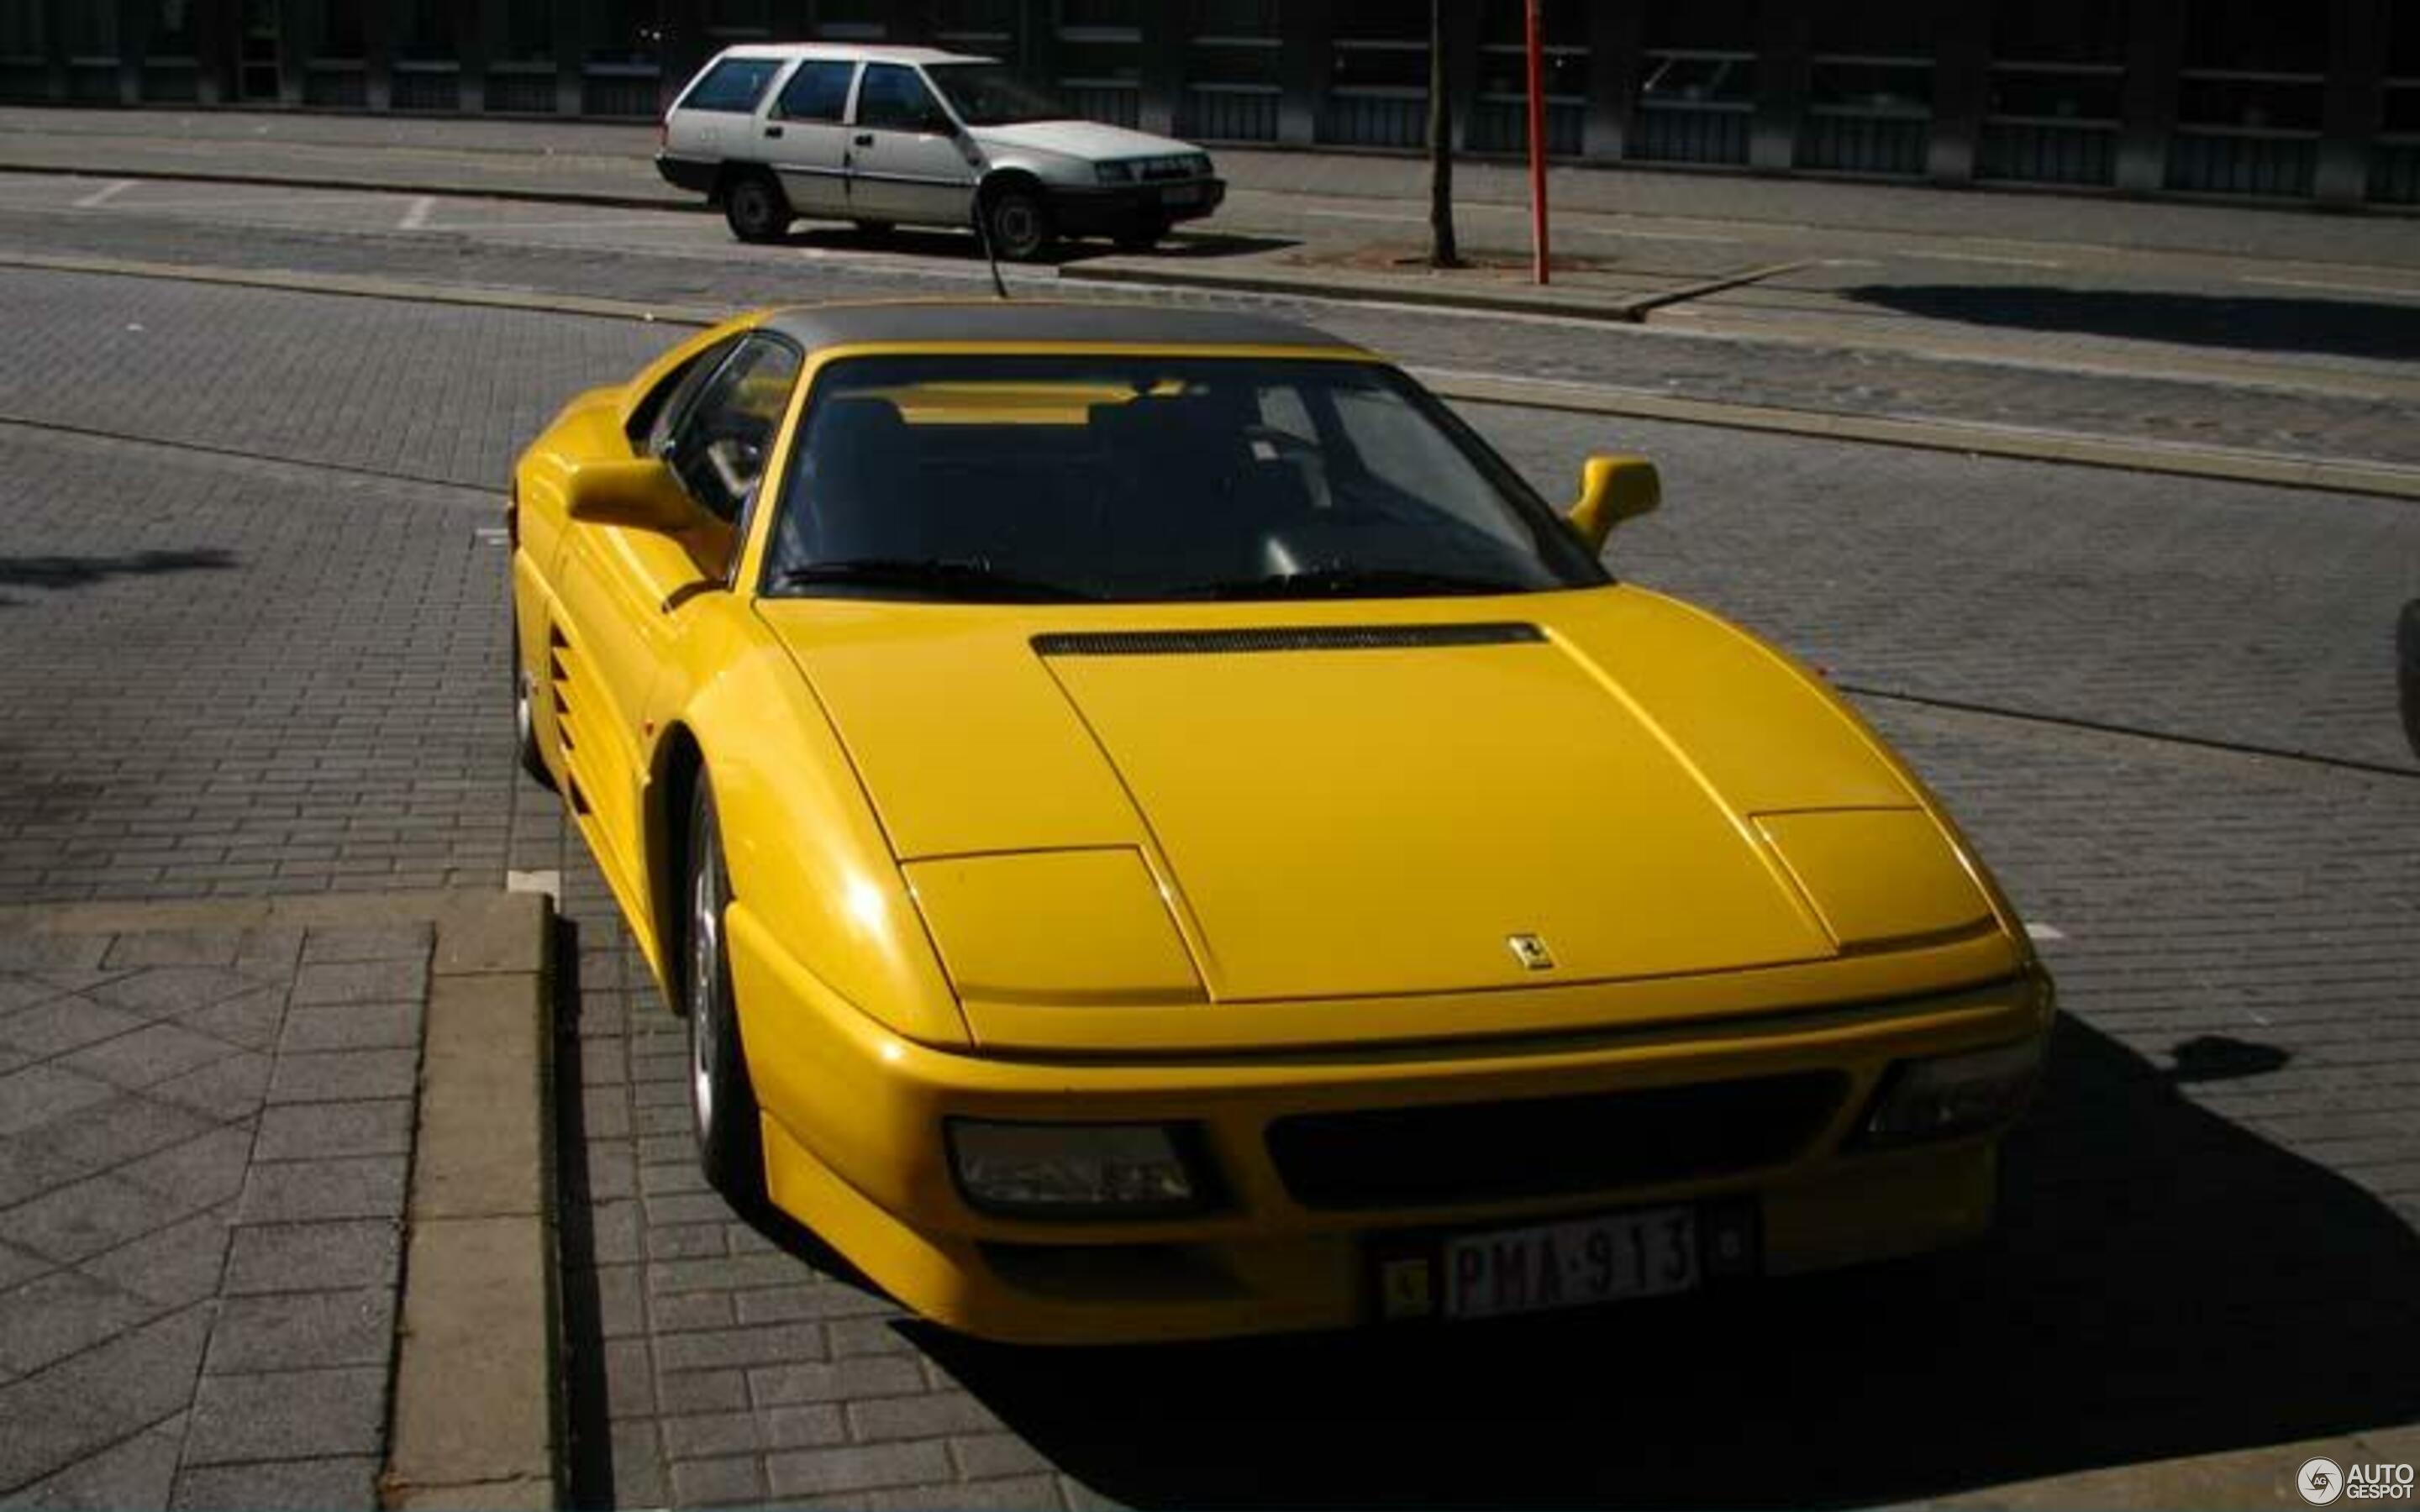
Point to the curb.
(478, 1406)
(2346, 475)
(1627, 309)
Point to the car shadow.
(2162, 1283)
(961, 246)
(2338, 327)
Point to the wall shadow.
(2338, 327)
(2162, 1283)
(54, 572)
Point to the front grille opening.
(1550, 1147)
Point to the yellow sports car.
(1158, 831)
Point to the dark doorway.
(257, 64)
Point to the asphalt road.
(252, 624)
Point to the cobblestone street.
(253, 628)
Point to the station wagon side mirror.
(642, 494)
(1614, 488)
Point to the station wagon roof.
(1024, 322)
(852, 52)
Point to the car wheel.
(1142, 236)
(1019, 223)
(755, 207)
(722, 1104)
(875, 228)
(526, 745)
(2407, 637)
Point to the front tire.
(525, 746)
(755, 209)
(722, 1103)
(1018, 219)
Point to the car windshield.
(1127, 478)
(988, 94)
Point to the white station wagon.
(887, 136)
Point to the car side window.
(893, 98)
(653, 418)
(719, 445)
(733, 86)
(817, 92)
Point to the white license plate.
(1571, 1264)
(1182, 194)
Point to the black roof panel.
(817, 326)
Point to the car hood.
(1092, 140)
(1374, 800)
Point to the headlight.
(1068, 1171)
(1113, 173)
(1944, 1096)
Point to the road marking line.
(2044, 931)
(104, 195)
(1978, 258)
(549, 883)
(492, 536)
(1396, 219)
(2339, 288)
(415, 217)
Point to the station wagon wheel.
(1019, 223)
(755, 207)
(723, 1103)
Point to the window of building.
(985, 27)
(852, 21)
(1874, 58)
(340, 32)
(2402, 118)
(2059, 62)
(1382, 45)
(425, 33)
(736, 21)
(1700, 55)
(91, 32)
(1504, 46)
(172, 29)
(2252, 67)
(20, 28)
(625, 32)
(526, 33)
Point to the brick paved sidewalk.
(206, 1133)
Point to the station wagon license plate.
(1571, 1264)
(1181, 195)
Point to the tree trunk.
(1442, 251)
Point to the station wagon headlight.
(1941, 1097)
(1042, 1171)
(1114, 173)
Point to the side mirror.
(640, 494)
(1613, 489)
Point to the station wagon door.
(906, 163)
(806, 137)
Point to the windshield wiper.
(949, 578)
(1355, 582)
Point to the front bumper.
(853, 1117)
(1112, 209)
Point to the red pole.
(1537, 147)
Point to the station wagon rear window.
(733, 84)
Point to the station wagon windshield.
(1139, 479)
(988, 94)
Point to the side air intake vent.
(1282, 637)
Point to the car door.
(623, 591)
(906, 159)
(806, 136)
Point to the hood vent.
(1282, 638)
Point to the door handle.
(772, 130)
(865, 139)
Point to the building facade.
(2316, 102)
